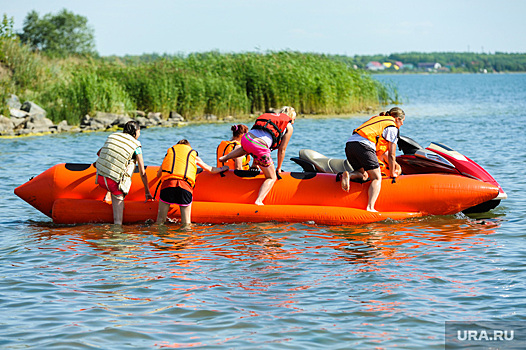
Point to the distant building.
(374, 65)
(429, 66)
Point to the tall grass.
(194, 85)
(85, 92)
(23, 71)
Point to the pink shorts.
(258, 150)
(112, 186)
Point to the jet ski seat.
(324, 164)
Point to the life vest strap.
(276, 139)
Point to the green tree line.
(456, 62)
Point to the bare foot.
(372, 210)
(186, 227)
(345, 181)
(259, 203)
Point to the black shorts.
(176, 195)
(361, 156)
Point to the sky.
(344, 27)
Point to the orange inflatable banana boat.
(68, 194)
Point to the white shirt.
(264, 135)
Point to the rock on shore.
(29, 118)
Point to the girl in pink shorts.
(275, 133)
(257, 149)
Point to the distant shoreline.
(241, 120)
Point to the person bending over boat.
(378, 133)
(116, 164)
(177, 173)
(225, 147)
(383, 157)
(270, 131)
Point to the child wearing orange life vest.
(270, 131)
(383, 159)
(178, 172)
(225, 147)
(378, 133)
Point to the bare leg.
(117, 203)
(238, 152)
(186, 214)
(345, 181)
(270, 179)
(359, 174)
(162, 212)
(374, 189)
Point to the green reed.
(195, 85)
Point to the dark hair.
(238, 130)
(396, 112)
(183, 142)
(131, 127)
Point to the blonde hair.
(291, 112)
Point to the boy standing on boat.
(378, 133)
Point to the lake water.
(274, 286)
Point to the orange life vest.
(226, 147)
(275, 124)
(373, 130)
(179, 163)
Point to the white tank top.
(262, 134)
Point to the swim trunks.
(109, 185)
(176, 192)
(361, 156)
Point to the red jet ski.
(436, 158)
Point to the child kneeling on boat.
(178, 172)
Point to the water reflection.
(374, 243)
(366, 244)
(265, 257)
